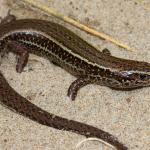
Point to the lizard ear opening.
(143, 76)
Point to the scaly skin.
(67, 50)
(10, 98)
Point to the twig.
(78, 25)
(94, 139)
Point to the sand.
(125, 114)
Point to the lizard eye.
(143, 76)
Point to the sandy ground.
(126, 115)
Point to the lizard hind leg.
(22, 54)
(106, 52)
(3, 53)
(8, 18)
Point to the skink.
(69, 51)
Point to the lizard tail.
(11, 99)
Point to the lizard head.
(134, 79)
